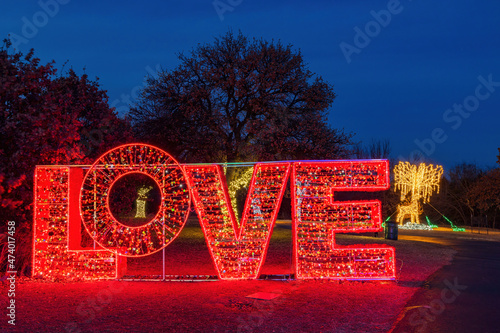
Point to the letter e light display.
(317, 217)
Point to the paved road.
(461, 297)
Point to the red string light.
(52, 257)
(238, 253)
(238, 250)
(163, 228)
(317, 217)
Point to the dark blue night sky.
(425, 76)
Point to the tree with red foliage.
(47, 119)
(485, 193)
(239, 100)
(457, 188)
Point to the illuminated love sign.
(65, 199)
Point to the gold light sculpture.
(142, 196)
(243, 181)
(415, 183)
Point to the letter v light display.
(238, 252)
(317, 217)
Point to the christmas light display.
(142, 196)
(453, 226)
(415, 183)
(415, 226)
(413, 209)
(238, 183)
(238, 251)
(55, 189)
(317, 217)
(155, 234)
(65, 197)
(429, 223)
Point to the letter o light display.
(153, 236)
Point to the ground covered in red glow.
(222, 306)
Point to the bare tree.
(240, 100)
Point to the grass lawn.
(222, 306)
